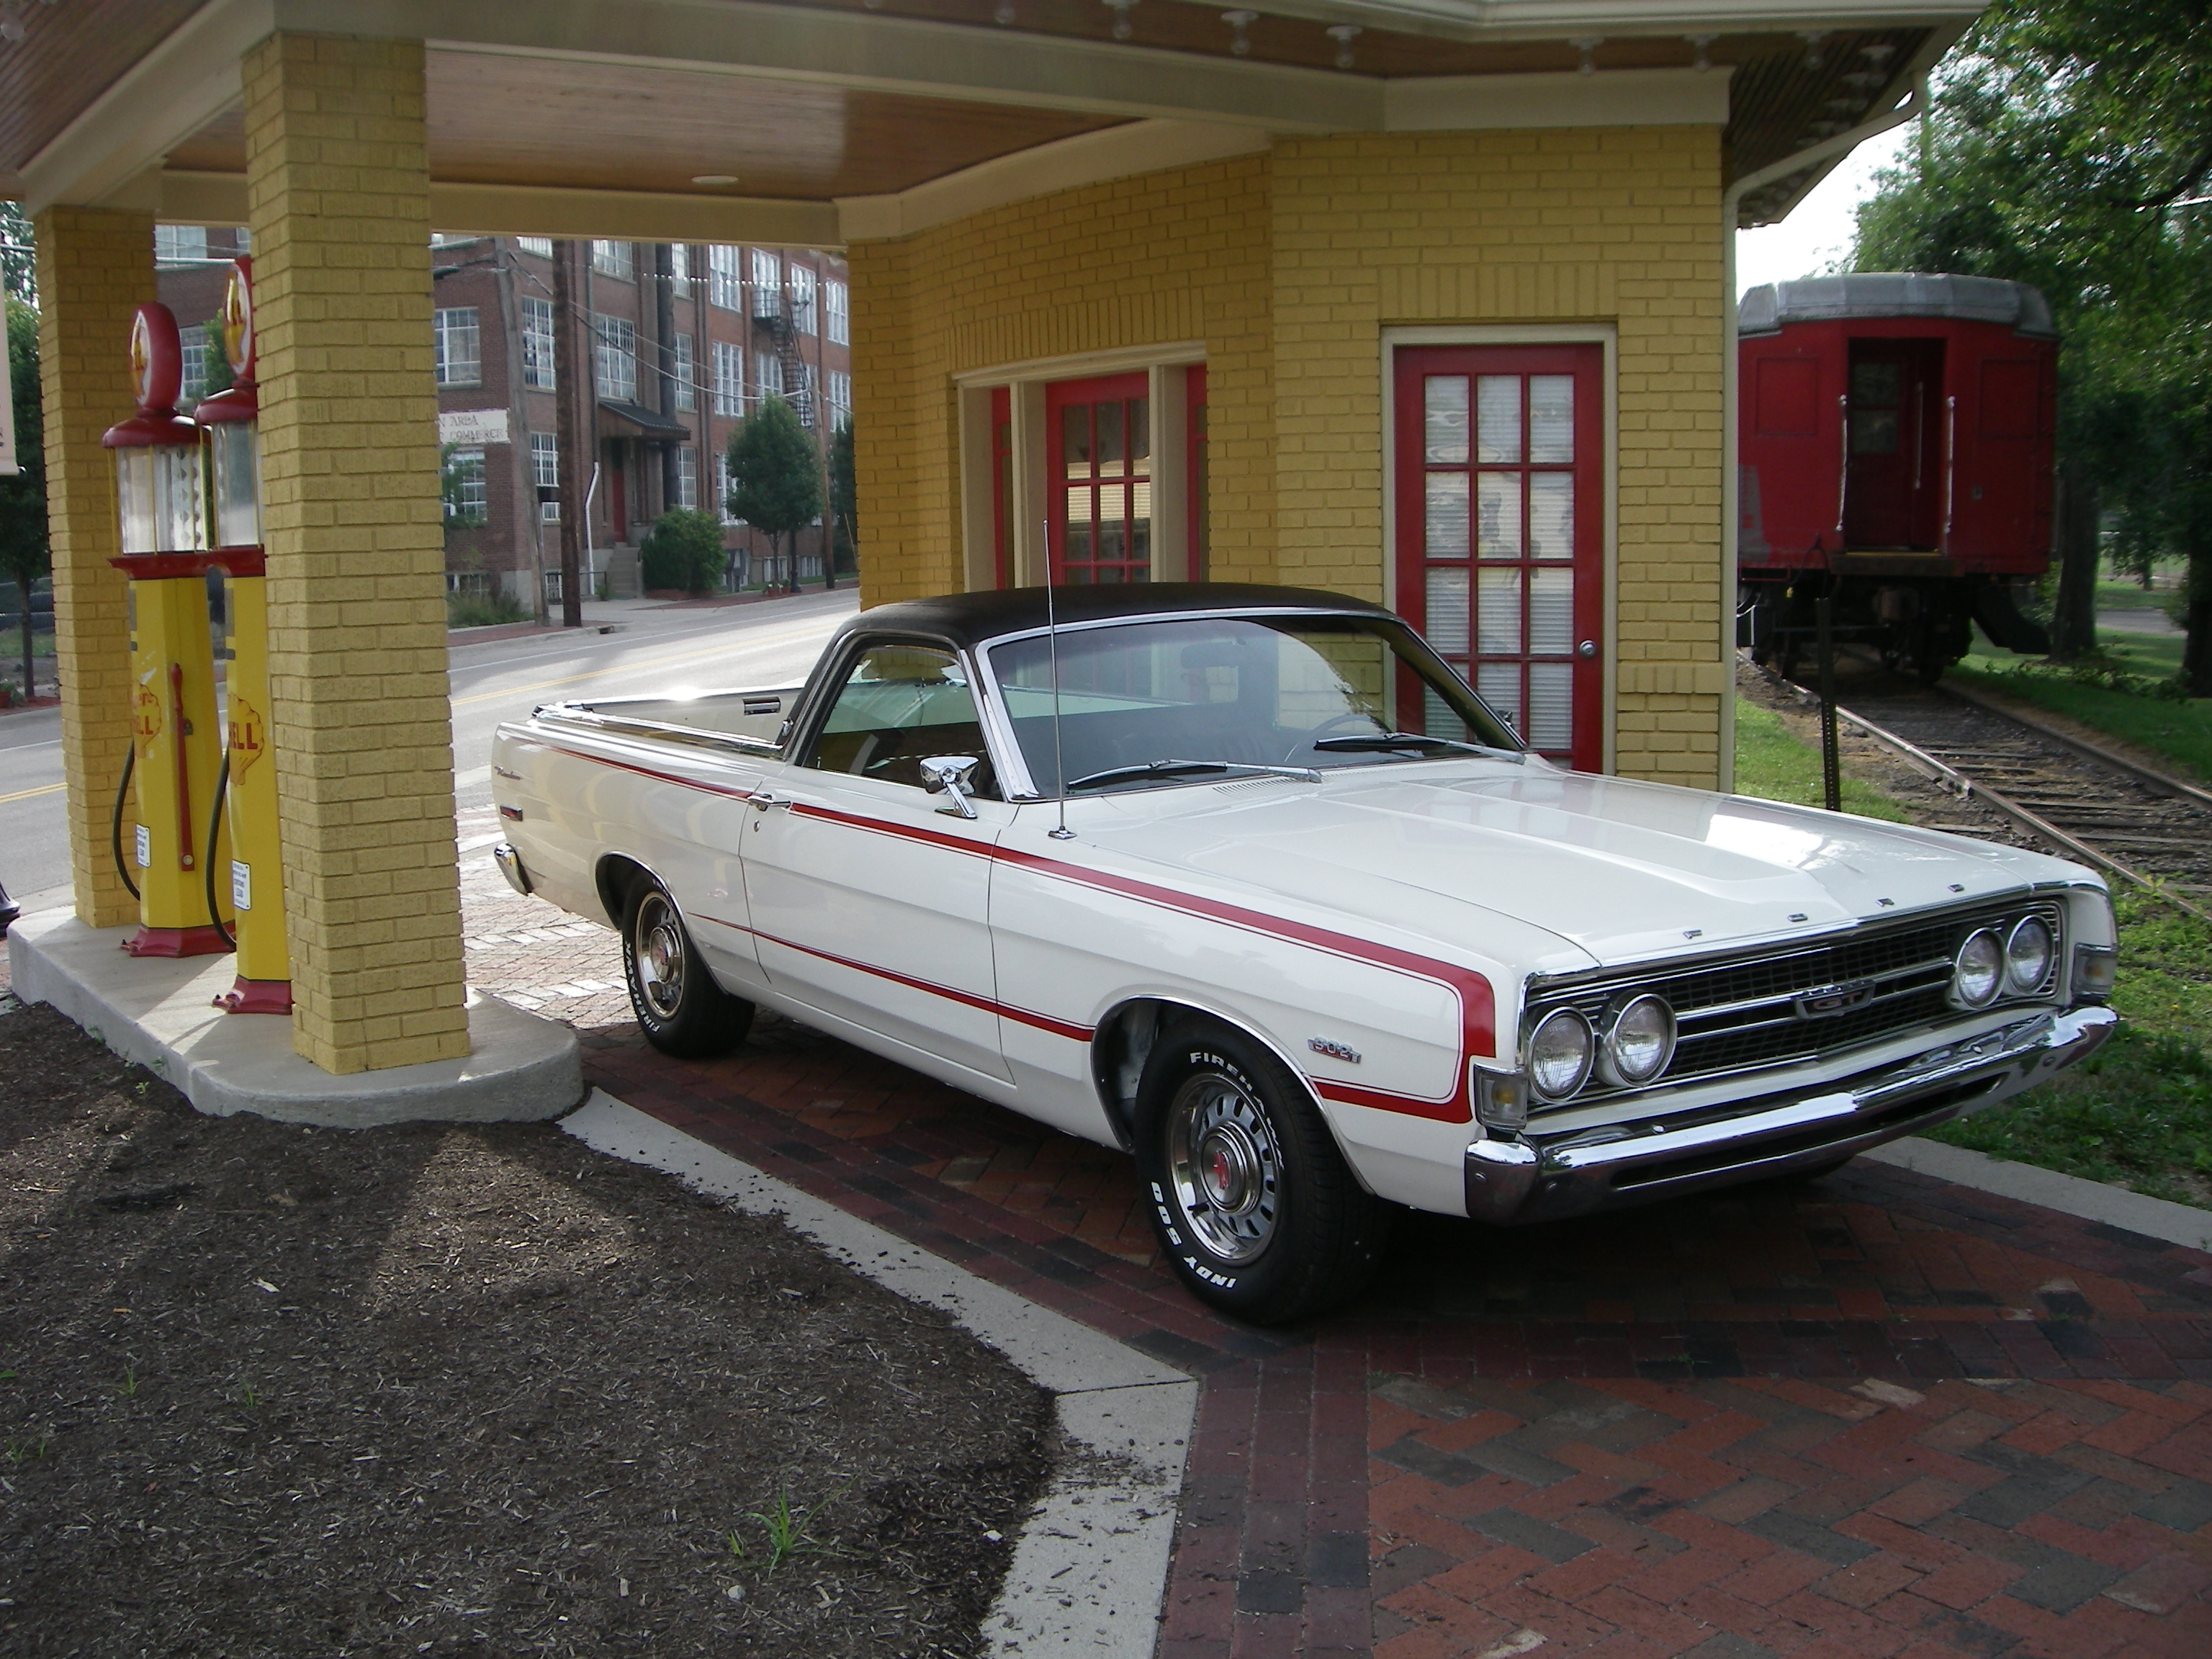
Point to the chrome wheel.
(1225, 1167)
(659, 948)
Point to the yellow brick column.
(95, 268)
(338, 198)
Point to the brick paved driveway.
(1867, 1416)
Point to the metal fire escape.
(775, 313)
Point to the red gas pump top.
(157, 375)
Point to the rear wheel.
(679, 1007)
(1250, 1197)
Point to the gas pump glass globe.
(237, 482)
(158, 489)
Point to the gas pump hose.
(214, 828)
(115, 825)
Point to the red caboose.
(1896, 435)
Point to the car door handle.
(764, 799)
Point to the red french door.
(1501, 533)
(1098, 510)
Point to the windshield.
(1233, 694)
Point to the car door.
(870, 896)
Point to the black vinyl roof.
(969, 620)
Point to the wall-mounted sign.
(472, 428)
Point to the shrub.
(483, 610)
(685, 550)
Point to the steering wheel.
(1350, 717)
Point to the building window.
(459, 349)
(466, 499)
(679, 270)
(835, 303)
(722, 489)
(687, 391)
(802, 298)
(542, 247)
(614, 357)
(545, 472)
(768, 374)
(768, 283)
(841, 398)
(199, 355)
(178, 245)
(729, 379)
(687, 477)
(613, 259)
(538, 344)
(723, 287)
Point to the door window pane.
(1551, 515)
(1447, 611)
(1444, 399)
(1498, 417)
(1499, 614)
(1499, 502)
(1551, 418)
(1551, 610)
(1550, 705)
(1447, 525)
(1499, 684)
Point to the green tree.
(2069, 146)
(685, 550)
(218, 377)
(18, 271)
(775, 476)
(24, 554)
(844, 493)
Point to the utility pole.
(663, 327)
(565, 370)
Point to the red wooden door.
(1892, 497)
(1501, 531)
(1099, 504)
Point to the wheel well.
(615, 878)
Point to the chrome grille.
(1740, 1014)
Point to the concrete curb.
(1090, 1568)
(2091, 1201)
(159, 1011)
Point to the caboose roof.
(1897, 293)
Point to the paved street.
(655, 648)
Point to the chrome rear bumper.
(510, 866)
(1542, 1178)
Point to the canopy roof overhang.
(820, 122)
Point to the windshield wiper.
(1187, 769)
(1381, 740)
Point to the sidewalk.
(1879, 1415)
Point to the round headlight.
(1978, 970)
(1640, 1039)
(2029, 951)
(1559, 1050)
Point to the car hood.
(1622, 870)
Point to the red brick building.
(672, 345)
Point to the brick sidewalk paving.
(1870, 1416)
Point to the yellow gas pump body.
(255, 877)
(176, 748)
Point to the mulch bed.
(267, 1390)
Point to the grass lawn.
(2137, 1115)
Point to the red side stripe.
(658, 777)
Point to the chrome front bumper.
(1542, 1178)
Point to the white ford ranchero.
(1306, 929)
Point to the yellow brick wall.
(1170, 257)
(1289, 266)
(95, 269)
(338, 192)
(1609, 225)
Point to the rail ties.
(2133, 820)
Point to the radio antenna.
(1052, 645)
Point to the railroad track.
(2138, 823)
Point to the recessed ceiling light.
(714, 178)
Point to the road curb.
(1089, 1571)
(2091, 1201)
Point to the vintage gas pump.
(232, 420)
(175, 753)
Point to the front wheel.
(679, 1007)
(1251, 1199)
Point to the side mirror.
(948, 774)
